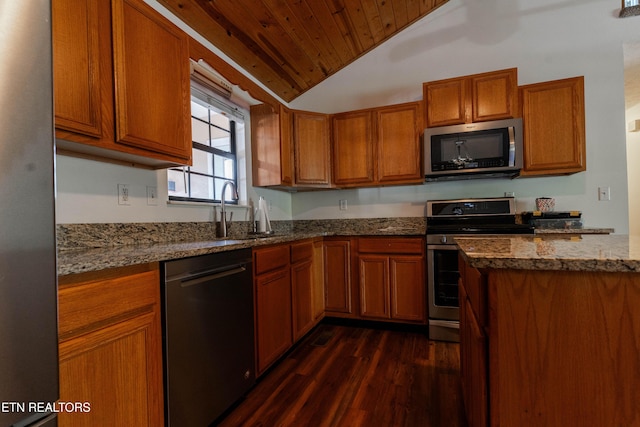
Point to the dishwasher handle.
(205, 276)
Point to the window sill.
(206, 204)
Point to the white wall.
(87, 192)
(546, 40)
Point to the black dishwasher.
(208, 335)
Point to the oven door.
(442, 285)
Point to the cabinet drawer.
(270, 258)
(87, 302)
(391, 245)
(301, 251)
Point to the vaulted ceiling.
(292, 45)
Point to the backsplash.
(83, 236)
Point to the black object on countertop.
(528, 216)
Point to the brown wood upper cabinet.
(475, 98)
(290, 148)
(378, 146)
(311, 149)
(554, 127)
(271, 148)
(121, 82)
(353, 150)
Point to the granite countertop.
(93, 247)
(594, 252)
(93, 259)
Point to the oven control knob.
(443, 239)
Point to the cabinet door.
(399, 146)
(82, 63)
(152, 80)
(475, 98)
(118, 371)
(337, 276)
(271, 147)
(494, 95)
(473, 368)
(554, 127)
(446, 102)
(318, 279)
(374, 286)
(110, 347)
(407, 282)
(353, 151)
(273, 316)
(311, 149)
(287, 172)
(302, 291)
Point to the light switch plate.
(604, 193)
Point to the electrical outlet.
(124, 196)
(604, 193)
(342, 204)
(152, 196)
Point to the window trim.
(233, 115)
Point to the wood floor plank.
(359, 377)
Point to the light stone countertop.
(93, 259)
(93, 247)
(609, 253)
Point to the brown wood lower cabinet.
(473, 350)
(286, 289)
(272, 277)
(302, 289)
(561, 349)
(337, 277)
(392, 279)
(273, 316)
(110, 347)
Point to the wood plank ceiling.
(292, 45)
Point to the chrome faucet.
(223, 212)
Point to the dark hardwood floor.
(354, 376)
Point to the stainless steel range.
(447, 219)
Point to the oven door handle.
(440, 247)
(445, 323)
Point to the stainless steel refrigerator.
(28, 295)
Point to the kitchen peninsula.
(550, 333)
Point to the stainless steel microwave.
(473, 150)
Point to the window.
(214, 132)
